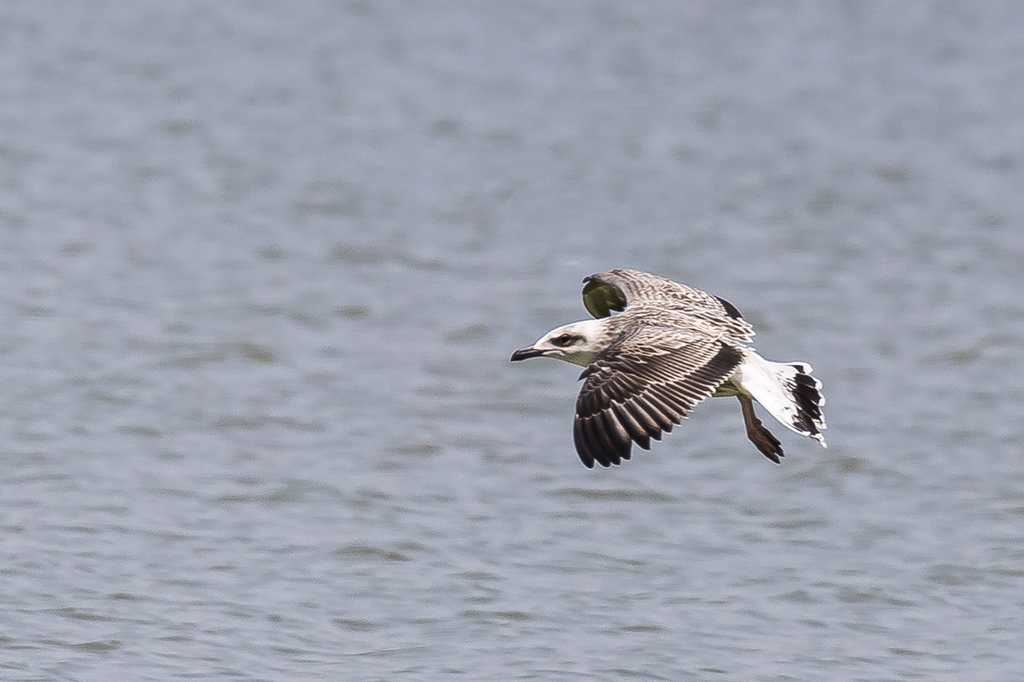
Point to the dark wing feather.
(641, 386)
(614, 290)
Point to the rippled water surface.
(262, 265)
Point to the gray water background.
(262, 265)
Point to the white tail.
(787, 390)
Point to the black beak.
(526, 353)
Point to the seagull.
(668, 348)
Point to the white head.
(577, 343)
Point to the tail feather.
(788, 391)
(806, 393)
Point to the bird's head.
(577, 343)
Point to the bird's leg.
(762, 438)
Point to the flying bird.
(668, 348)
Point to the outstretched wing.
(613, 290)
(643, 385)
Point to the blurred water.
(262, 265)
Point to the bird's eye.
(564, 340)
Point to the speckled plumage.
(671, 304)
